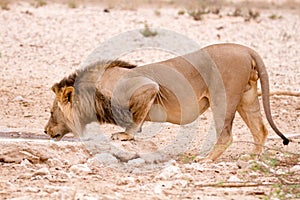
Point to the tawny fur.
(177, 90)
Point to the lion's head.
(61, 117)
(61, 112)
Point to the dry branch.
(239, 184)
(283, 93)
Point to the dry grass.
(134, 4)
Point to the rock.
(195, 166)
(124, 156)
(295, 168)
(242, 164)
(234, 179)
(18, 98)
(32, 189)
(158, 189)
(102, 158)
(168, 172)
(26, 164)
(13, 153)
(136, 162)
(253, 174)
(60, 174)
(155, 157)
(80, 169)
(33, 158)
(245, 157)
(60, 192)
(126, 181)
(55, 163)
(280, 172)
(42, 172)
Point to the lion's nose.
(45, 131)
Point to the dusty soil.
(41, 45)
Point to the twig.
(268, 148)
(283, 93)
(234, 184)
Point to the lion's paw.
(122, 136)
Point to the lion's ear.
(67, 95)
(55, 88)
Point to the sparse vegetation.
(204, 9)
(281, 191)
(257, 166)
(252, 14)
(247, 14)
(197, 14)
(274, 16)
(146, 32)
(181, 12)
(186, 158)
(157, 12)
(237, 12)
(4, 4)
(39, 3)
(271, 164)
(72, 4)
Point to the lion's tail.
(264, 81)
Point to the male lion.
(178, 90)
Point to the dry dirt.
(41, 45)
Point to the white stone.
(157, 189)
(233, 179)
(26, 164)
(280, 172)
(126, 181)
(242, 164)
(55, 163)
(253, 174)
(295, 168)
(106, 158)
(18, 98)
(42, 172)
(168, 172)
(136, 162)
(196, 166)
(245, 157)
(80, 169)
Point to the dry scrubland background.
(43, 41)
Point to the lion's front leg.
(128, 134)
(140, 103)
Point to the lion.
(221, 76)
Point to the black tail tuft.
(286, 141)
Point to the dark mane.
(70, 80)
(120, 63)
(66, 82)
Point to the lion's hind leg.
(249, 110)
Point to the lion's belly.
(177, 113)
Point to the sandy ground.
(39, 46)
